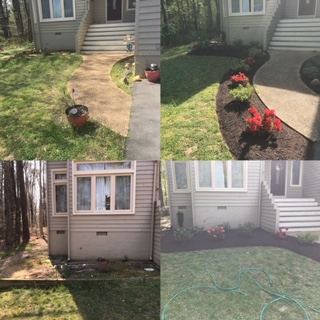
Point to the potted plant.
(152, 73)
(77, 114)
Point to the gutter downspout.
(155, 174)
(69, 231)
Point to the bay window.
(220, 175)
(105, 187)
(56, 10)
(59, 192)
(246, 7)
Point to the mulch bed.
(287, 144)
(235, 239)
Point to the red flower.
(253, 110)
(214, 236)
(249, 61)
(209, 231)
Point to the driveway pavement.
(279, 86)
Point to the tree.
(4, 19)
(18, 17)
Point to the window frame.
(131, 9)
(300, 174)
(93, 174)
(60, 182)
(251, 13)
(213, 188)
(174, 182)
(51, 19)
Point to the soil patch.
(287, 144)
(235, 239)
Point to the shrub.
(249, 61)
(238, 43)
(226, 225)
(240, 66)
(200, 45)
(180, 218)
(255, 44)
(216, 233)
(307, 238)
(267, 123)
(239, 78)
(311, 73)
(246, 228)
(242, 93)
(256, 53)
(182, 234)
(165, 211)
(197, 231)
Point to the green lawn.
(103, 300)
(32, 119)
(189, 124)
(291, 274)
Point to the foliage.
(246, 228)
(265, 124)
(183, 234)
(242, 93)
(282, 233)
(197, 231)
(217, 233)
(249, 61)
(240, 66)
(165, 211)
(256, 53)
(200, 45)
(180, 218)
(238, 43)
(226, 225)
(307, 238)
(311, 72)
(239, 78)
(122, 74)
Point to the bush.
(246, 228)
(182, 234)
(217, 233)
(165, 211)
(239, 78)
(200, 45)
(226, 225)
(311, 73)
(238, 43)
(307, 238)
(180, 218)
(256, 53)
(241, 66)
(242, 93)
(197, 231)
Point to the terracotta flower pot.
(152, 76)
(77, 115)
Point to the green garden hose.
(236, 288)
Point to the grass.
(11, 252)
(119, 71)
(189, 123)
(90, 300)
(291, 274)
(32, 119)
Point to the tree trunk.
(218, 17)
(209, 16)
(27, 10)
(195, 15)
(40, 201)
(23, 203)
(18, 17)
(4, 19)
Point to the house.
(104, 209)
(97, 26)
(275, 24)
(270, 194)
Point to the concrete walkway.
(144, 137)
(279, 86)
(106, 102)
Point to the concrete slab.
(279, 86)
(144, 136)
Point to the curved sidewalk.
(279, 86)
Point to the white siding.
(268, 220)
(147, 44)
(292, 191)
(291, 9)
(311, 179)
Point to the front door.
(278, 178)
(307, 7)
(114, 9)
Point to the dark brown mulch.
(235, 239)
(287, 144)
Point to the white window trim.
(51, 11)
(300, 175)
(103, 173)
(174, 182)
(55, 182)
(229, 189)
(246, 13)
(131, 9)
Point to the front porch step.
(315, 229)
(296, 34)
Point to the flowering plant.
(249, 61)
(216, 233)
(282, 233)
(239, 78)
(266, 123)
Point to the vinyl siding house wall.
(270, 194)
(275, 24)
(100, 222)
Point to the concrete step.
(296, 209)
(293, 48)
(298, 39)
(297, 34)
(291, 200)
(102, 51)
(297, 29)
(89, 42)
(303, 219)
(299, 213)
(290, 225)
(299, 24)
(104, 48)
(310, 229)
(114, 25)
(298, 21)
(295, 44)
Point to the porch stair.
(298, 214)
(107, 38)
(297, 34)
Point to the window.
(104, 187)
(246, 7)
(131, 4)
(296, 173)
(220, 175)
(181, 179)
(59, 192)
(56, 10)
